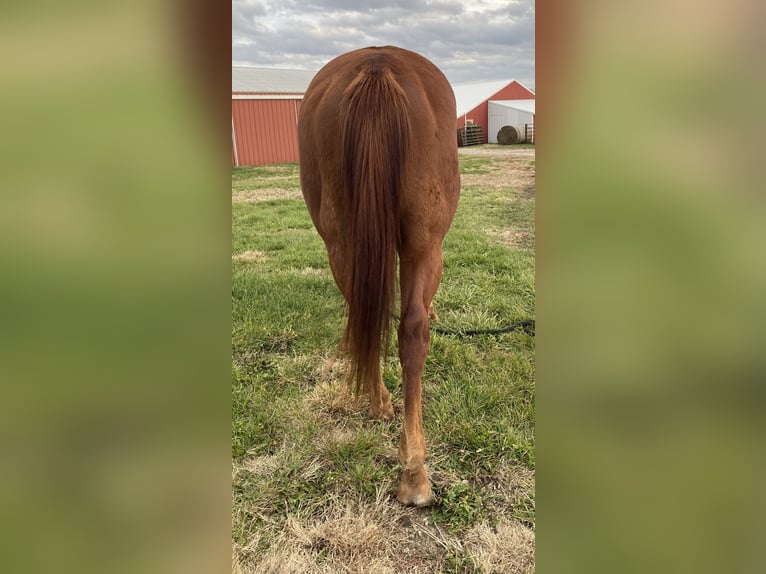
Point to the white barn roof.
(248, 79)
(468, 96)
(270, 80)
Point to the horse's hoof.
(384, 409)
(385, 412)
(415, 493)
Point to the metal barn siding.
(264, 129)
(509, 113)
(480, 114)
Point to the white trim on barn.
(508, 113)
(234, 143)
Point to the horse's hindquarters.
(379, 172)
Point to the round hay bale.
(511, 135)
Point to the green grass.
(301, 448)
(475, 165)
(283, 176)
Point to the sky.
(475, 41)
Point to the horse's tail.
(375, 131)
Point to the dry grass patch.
(265, 194)
(513, 493)
(503, 173)
(347, 537)
(257, 256)
(514, 238)
(336, 398)
(257, 465)
(332, 394)
(314, 272)
(506, 548)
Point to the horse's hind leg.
(420, 277)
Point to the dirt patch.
(512, 490)
(266, 194)
(513, 167)
(425, 544)
(497, 151)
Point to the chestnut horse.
(379, 173)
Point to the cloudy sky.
(471, 41)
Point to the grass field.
(313, 477)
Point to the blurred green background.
(651, 282)
(115, 291)
(114, 298)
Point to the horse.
(379, 175)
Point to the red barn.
(264, 114)
(473, 100)
(265, 104)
